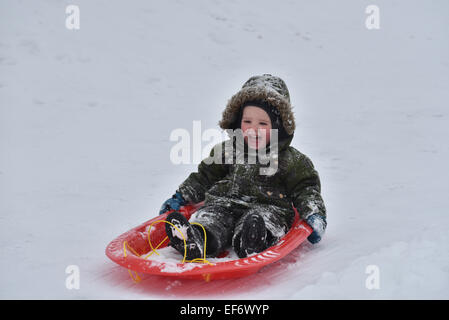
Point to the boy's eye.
(246, 121)
(263, 123)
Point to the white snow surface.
(86, 116)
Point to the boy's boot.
(253, 236)
(193, 236)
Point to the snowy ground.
(85, 119)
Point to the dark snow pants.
(223, 223)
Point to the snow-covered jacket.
(294, 182)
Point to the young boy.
(242, 206)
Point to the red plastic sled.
(137, 240)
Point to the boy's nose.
(252, 130)
(256, 130)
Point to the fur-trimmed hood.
(266, 88)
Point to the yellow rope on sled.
(136, 277)
(205, 241)
(157, 247)
(177, 229)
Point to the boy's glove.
(175, 203)
(318, 225)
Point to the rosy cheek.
(245, 127)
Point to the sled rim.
(299, 231)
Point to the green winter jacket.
(295, 182)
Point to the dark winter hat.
(267, 89)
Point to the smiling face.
(255, 125)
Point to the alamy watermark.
(372, 21)
(72, 281)
(372, 282)
(72, 21)
(189, 147)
